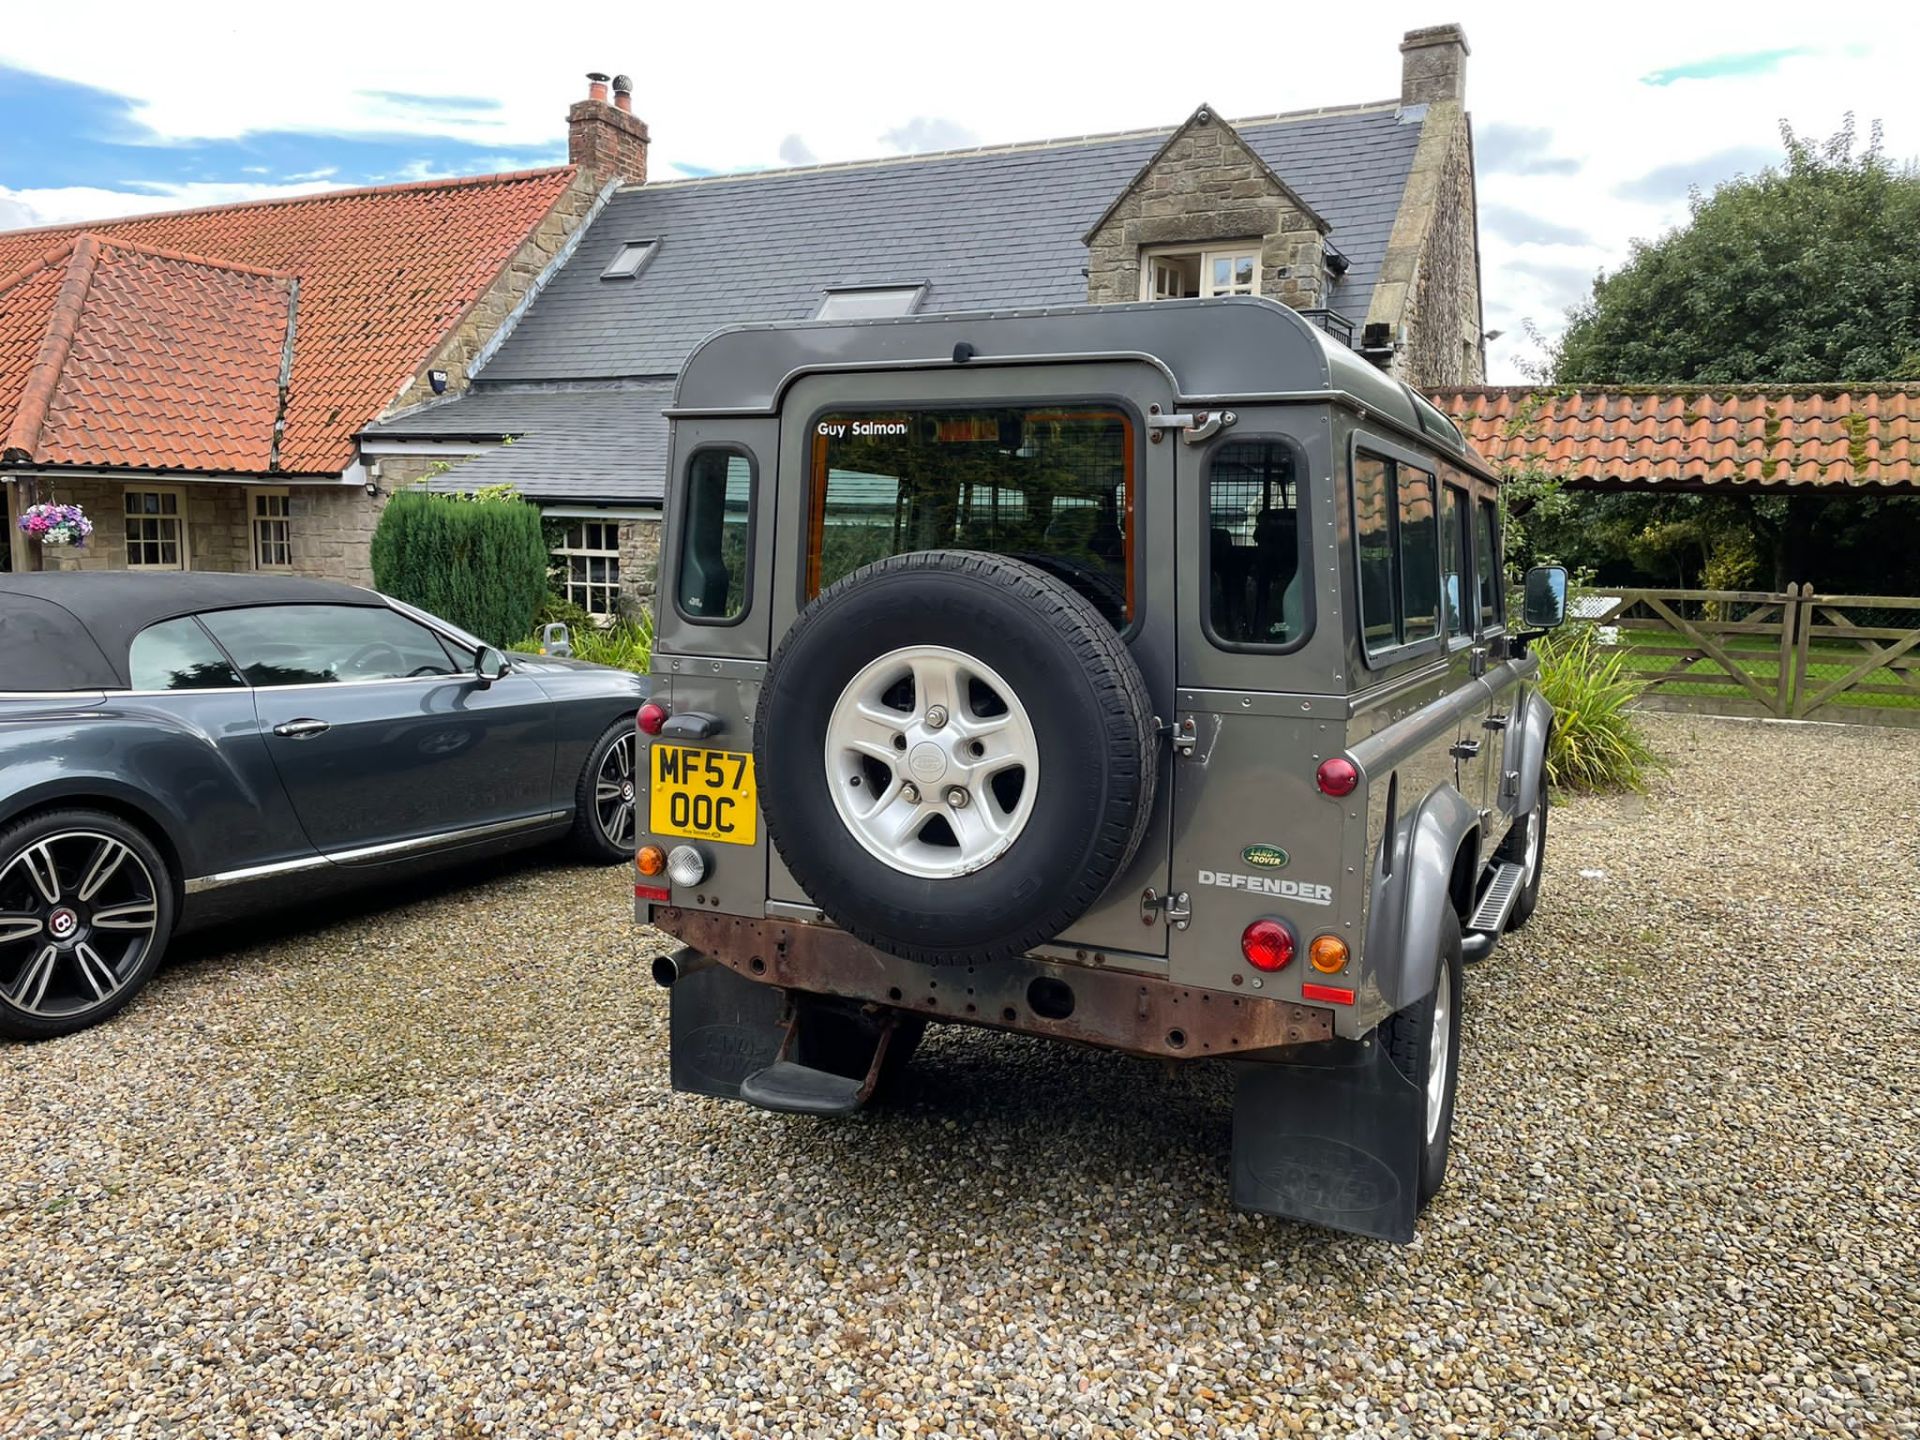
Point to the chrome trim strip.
(443, 839)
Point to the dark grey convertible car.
(177, 749)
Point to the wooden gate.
(1857, 657)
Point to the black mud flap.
(724, 1028)
(1333, 1137)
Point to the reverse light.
(1267, 944)
(1327, 954)
(1337, 776)
(650, 860)
(652, 717)
(686, 866)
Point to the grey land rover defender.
(1133, 675)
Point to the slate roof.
(988, 229)
(1699, 437)
(594, 444)
(384, 274)
(114, 354)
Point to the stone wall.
(216, 525)
(332, 525)
(639, 561)
(1205, 187)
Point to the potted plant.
(52, 523)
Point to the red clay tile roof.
(1689, 437)
(383, 275)
(143, 359)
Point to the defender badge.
(1264, 857)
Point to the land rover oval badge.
(1264, 857)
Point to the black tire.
(592, 840)
(100, 960)
(1408, 1037)
(1095, 739)
(1513, 849)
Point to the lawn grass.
(1758, 656)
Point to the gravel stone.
(419, 1172)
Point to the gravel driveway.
(419, 1173)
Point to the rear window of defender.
(1051, 485)
(712, 586)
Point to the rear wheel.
(1423, 1041)
(86, 907)
(604, 800)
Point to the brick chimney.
(608, 139)
(1433, 65)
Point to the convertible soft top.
(70, 631)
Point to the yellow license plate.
(703, 795)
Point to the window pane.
(713, 547)
(177, 655)
(1049, 486)
(1486, 563)
(1373, 541)
(1419, 554)
(1455, 559)
(1256, 577)
(871, 303)
(316, 644)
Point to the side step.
(802, 1090)
(1489, 917)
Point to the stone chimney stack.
(1433, 65)
(608, 139)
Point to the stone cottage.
(1361, 216)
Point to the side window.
(1255, 578)
(713, 539)
(1373, 539)
(1456, 559)
(177, 655)
(1487, 564)
(1419, 555)
(328, 644)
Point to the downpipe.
(678, 965)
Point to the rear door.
(380, 732)
(1055, 464)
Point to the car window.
(323, 644)
(177, 655)
(713, 548)
(1456, 559)
(1486, 564)
(1256, 591)
(1419, 555)
(1373, 538)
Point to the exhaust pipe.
(678, 965)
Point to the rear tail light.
(1267, 944)
(650, 860)
(652, 717)
(1337, 776)
(1327, 954)
(686, 866)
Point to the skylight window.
(629, 260)
(871, 302)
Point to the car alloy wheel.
(614, 792)
(78, 915)
(1439, 1044)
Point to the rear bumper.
(1138, 1014)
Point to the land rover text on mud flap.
(1133, 675)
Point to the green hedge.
(480, 563)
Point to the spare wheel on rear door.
(956, 755)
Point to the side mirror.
(1545, 604)
(554, 640)
(490, 665)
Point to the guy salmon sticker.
(1264, 857)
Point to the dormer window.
(630, 259)
(870, 302)
(1187, 274)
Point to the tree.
(480, 562)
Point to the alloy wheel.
(78, 914)
(614, 792)
(1439, 1046)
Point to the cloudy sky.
(1591, 121)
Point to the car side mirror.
(490, 665)
(1545, 603)
(555, 640)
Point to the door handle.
(301, 729)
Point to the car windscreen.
(328, 644)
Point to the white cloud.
(76, 204)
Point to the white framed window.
(588, 557)
(867, 302)
(270, 525)
(156, 528)
(1187, 274)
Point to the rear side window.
(1396, 530)
(1256, 574)
(177, 655)
(1456, 559)
(328, 644)
(713, 541)
(1486, 563)
(1050, 485)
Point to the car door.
(382, 734)
(1476, 749)
(1503, 681)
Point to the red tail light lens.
(1267, 944)
(652, 717)
(1337, 776)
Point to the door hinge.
(1199, 425)
(1174, 909)
(1183, 735)
(1476, 662)
(1495, 721)
(1465, 749)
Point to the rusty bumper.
(1139, 1014)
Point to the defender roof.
(1237, 350)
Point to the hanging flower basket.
(53, 524)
